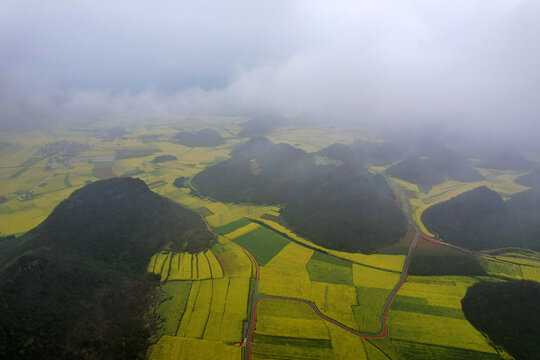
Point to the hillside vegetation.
(481, 219)
(508, 313)
(339, 207)
(435, 169)
(261, 125)
(164, 158)
(369, 153)
(531, 179)
(202, 138)
(422, 165)
(502, 159)
(75, 286)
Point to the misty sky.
(461, 62)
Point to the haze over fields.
(278, 180)
(465, 63)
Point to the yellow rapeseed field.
(185, 266)
(201, 310)
(345, 345)
(172, 348)
(390, 262)
(190, 306)
(235, 310)
(335, 301)
(286, 274)
(215, 266)
(203, 267)
(233, 260)
(369, 277)
(226, 213)
(436, 330)
(220, 287)
(291, 327)
(242, 231)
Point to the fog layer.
(460, 63)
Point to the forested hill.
(481, 219)
(339, 207)
(508, 313)
(531, 179)
(369, 153)
(440, 166)
(423, 166)
(75, 287)
(202, 138)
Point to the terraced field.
(185, 266)
(205, 303)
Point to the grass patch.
(411, 299)
(437, 330)
(220, 287)
(291, 348)
(420, 351)
(277, 219)
(176, 294)
(133, 172)
(31, 161)
(66, 181)
(501, 268)
(230, 227)
(430, 259)
(5, 210)
(18, 173)
(264, 244)
(103, 170)
(173, 347)
(286, 308)
(135, 153)
(156, 184)
(203, 211)
(370, 307)
(292, 341)
(235, 310)
(416, 307)
(330, 269)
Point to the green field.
(264, 244)
(230, 227)
(327, 268)
(205, 297)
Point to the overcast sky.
(459, 62)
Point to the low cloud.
(459, 64)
